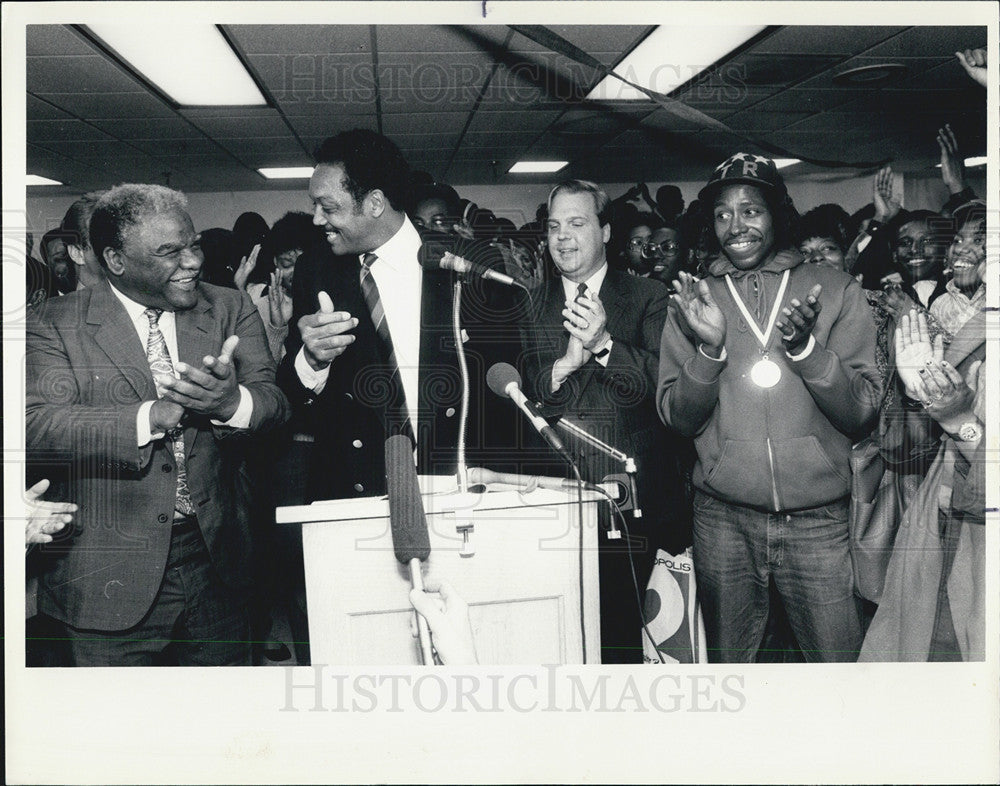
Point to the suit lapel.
(117, 338)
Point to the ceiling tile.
(54, 40)
(826, 40)
(447, 99)
(177, 147)
(445, 121)
(301, 39)
(310, 78)
(327, 126)
(238, 127)
(93, 106)
(930, 41)
(439, 38)
(252, 148)
(77, 74)
(590, 38)
(64, 131)
(149, 128)
(521, 121)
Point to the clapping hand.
(698, 313)
(952, 166)
(886, 205)
(211, 390)
(586, 320)
(247, 264)
(278, 301)
(974, 63)
(324, 333)
(798, 321)
(945, 395)
(914, 352)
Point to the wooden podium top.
(440, 495)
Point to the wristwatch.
(969, 432)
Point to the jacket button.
(450, 412)
(358, 443)
(358, 487)
(162, 518)
(166, 468)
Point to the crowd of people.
(744, 351)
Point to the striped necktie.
(396, 413)
(159, 363)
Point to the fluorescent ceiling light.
(524, 167)
(191, 63)
(38, 180)
(781, 163)
(670, 56)
(286, 172)
(970, 162)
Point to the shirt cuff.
(606, 356)
(720, 359)
(810, 344)
(310, 378)
(244, 411)
(143, 435)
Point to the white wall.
(516, 202)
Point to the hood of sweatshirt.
(783, 260)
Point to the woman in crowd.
(965, 292)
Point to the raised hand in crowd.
(896, 301)
(952, 166)
(974, 63)
(886, 205)
(324, 333)
(44, 518)
(278, 301)
(700, 316)
(797, 322)
(914, 352)
(246, 266)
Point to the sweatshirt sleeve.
(841, 375)
(688, 388)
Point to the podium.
(516, 558)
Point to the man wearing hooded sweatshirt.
(770, 365)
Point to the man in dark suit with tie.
(591, 356)
(144, 387)
(370, 351)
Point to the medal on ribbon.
(765, 373)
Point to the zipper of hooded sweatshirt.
(774, 480)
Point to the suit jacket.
(348, 417)
(617, 403)
(87, 375)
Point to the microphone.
(408, 522)
(504, 380)
(438, 254)
(531, 482)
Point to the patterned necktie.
(396, 412)
(159, 363)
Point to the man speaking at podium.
(591, 356)
(370, 351)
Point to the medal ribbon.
(764, 337)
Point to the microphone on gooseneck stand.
(504, 380)
(438, 254)
(408, 522)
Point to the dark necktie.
(396, 413)
(159, 363)
(581, 290)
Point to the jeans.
(739, 550)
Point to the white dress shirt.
(399, 278)
(168, 327)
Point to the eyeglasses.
(653, 250)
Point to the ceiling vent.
(870, 75)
